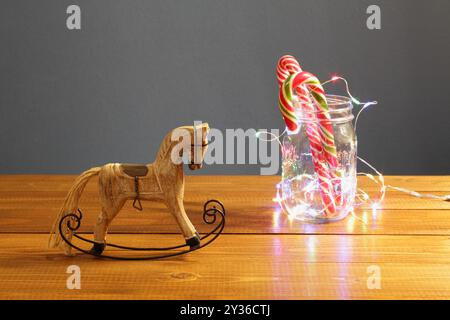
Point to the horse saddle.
(134, 170)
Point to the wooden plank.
(224, 183)
(236, 267)
(32, 202)
(247, 220)
(52, 200)
(51, 190)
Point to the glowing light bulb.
(277, 199)
(356, 101)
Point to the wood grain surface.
(262, 254)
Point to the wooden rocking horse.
(161, 180)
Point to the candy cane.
(293, 82)
(289, 65)
(286, 66)
(322, 112)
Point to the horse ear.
(205, 127)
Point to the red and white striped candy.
(286, 66)
(322, 112)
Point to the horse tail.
(70, 206)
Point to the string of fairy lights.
(361, 196)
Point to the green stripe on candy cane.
(287, 108)
(286, 113)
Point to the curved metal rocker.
(210, 212)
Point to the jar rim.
(339, 109)
(337, 100)
(334, 100)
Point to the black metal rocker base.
(97, 249)
(211, 209)
(194, 242)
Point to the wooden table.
(262, 254)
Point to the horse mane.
(167, 142)
(165, 146)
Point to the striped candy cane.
(286, 66)
(293, 82)
(322, 112)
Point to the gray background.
(70, 100)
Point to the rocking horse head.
(189, 145)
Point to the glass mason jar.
(311, 189)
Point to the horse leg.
(109, 211)
(190, 234)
